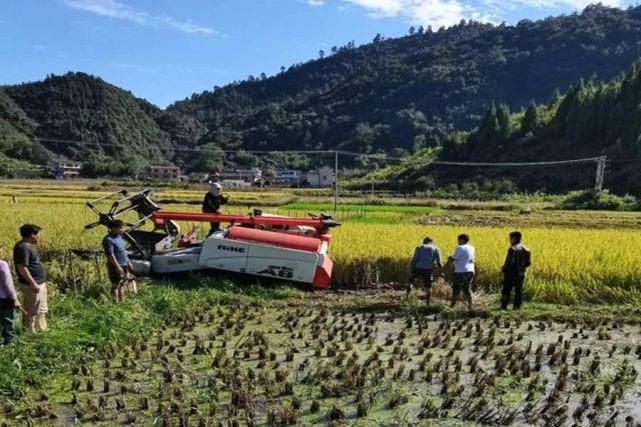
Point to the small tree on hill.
(530, 122)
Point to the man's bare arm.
(26, 275)
(114, 263)
(449, 262)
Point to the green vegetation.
(187, 350)
(411, 92)
(90, 323)
(592, 119)
(368, 358)
(599, 201)
(118, 133)
(392, 96)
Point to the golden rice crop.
(569, 265)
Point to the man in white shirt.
(463, 260)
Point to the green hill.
(592, 119)
(116, 132)
(397, 95)
(411, 92)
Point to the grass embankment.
(81, 325)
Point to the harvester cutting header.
(272, 246)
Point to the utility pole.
(600, 173)
(335, 181)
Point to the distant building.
(235, 183)
(67, 169)
(292, 176)
(165, 173)
(198, 177)
(322, 177)
(248, 175)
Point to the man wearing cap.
(214, 199)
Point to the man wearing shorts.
(463, 260)
(426, 256)
(118, 264)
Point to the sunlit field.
(214, 350)
(373, 245)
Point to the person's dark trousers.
(214, 227)
(512, 282)
(7, 329)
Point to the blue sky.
(165, 50)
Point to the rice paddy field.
(218, 351)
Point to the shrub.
(602, 200)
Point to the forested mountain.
(16, 133)
(592, 119)
(115, 132)
(394, 95)
(410, 92)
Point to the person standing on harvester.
(517, 261)
(463, 260)
(426, 257)
(214, 199)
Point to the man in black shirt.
(32, 278)
(517, 261)
(214, 199)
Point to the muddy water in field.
(290, 364)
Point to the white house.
(67, 169)
(235, 183)
(165, 173)
(248, 175)
(322, 177)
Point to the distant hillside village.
(322, 177)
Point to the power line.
(491, 164)
(333, 152)
(198, 150)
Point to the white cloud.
(573, 4)
(315, 2)
(381, 8)
(420, 12)
(439, 13)
(117, 10)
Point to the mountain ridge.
(396, 95)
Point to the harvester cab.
(258, 244)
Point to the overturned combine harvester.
(293, 249)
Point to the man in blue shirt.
(426, 257)
(118, 264)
